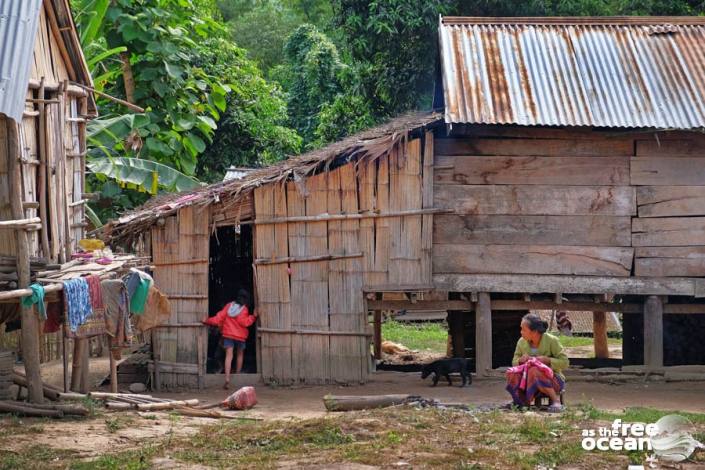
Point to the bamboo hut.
(565, 171)
(44, 107)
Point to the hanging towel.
(54, 316)
(77, 302)
(96, 292)
(138, 284)
(37, 297)
(156, 312)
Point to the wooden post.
(65, 360)
(483, 334)
(79, 372)
(456, 330)
(113, 373)
(599, 331)
(42, 174)
(653, 332)
(378, 334)
(30, 321)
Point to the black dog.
(443, 367)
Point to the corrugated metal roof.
(18, 30)
(602, 72)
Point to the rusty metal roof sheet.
(18, 29)
(601, 72)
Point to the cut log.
(352, 403)
(166, 405)
(532, 259)
(532, 230)
(49, 393)
(535, 200)
(65, 408)
(117, 405)
(578, 171)
(24, 410)
(68, 396)
(202, 413)
(107, 395)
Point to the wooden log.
(46, 391)
(166, 405)
(109, 395)
(113, 373)
(575, 171)
(68, 396)
(353, 403)
(534, 283)
(30, 321)
(653, 332)
(80, 348)
(17, 293)
(670, 201)
(686, 171)
(117, 405)
(532, 259)
(65, 408)
(599, 328)
(536, 200)
(483, 334)
(532, 230)
(602, 148)
(26, 410)
(377, 338)
(668, 231)
(670, 261)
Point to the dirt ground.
(116, 431)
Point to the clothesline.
(56, 285)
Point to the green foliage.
(347, 114)
(252, 131)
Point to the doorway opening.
(230, 269)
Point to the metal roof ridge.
(576, 20)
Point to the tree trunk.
(127, 77)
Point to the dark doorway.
(230, 269)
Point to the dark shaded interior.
(230, 269)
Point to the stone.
(137, 387)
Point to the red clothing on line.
(232, 327)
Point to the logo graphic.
(670, 438)
(673, 441)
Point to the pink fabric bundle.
(523, 369)
(243, 399)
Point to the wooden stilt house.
(566, 171)
(44, 106)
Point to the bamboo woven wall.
(313, 319)
(180, 254)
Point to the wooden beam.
(483, 334)
(30, 321)
(19, 223)
(419, 305)
(363, 215)
(522, 283)
(306, 259)
(377, 336)
(42, 176)
(599, 329)
(312, 332)
(653, 332)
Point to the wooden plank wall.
(669, 233)
(541, 202)
(180, 251)
(552, 201)
(326, 296)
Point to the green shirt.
(549, 346)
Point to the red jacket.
(232, 327)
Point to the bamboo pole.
(19, 224)
(362, 215)
(307, 259)
(42, 175)
(68, 216)
(312, 332)
(30, 322)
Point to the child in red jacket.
(233, 321)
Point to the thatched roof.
(369, 144)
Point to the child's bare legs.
(240, 357)
(228, 364)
